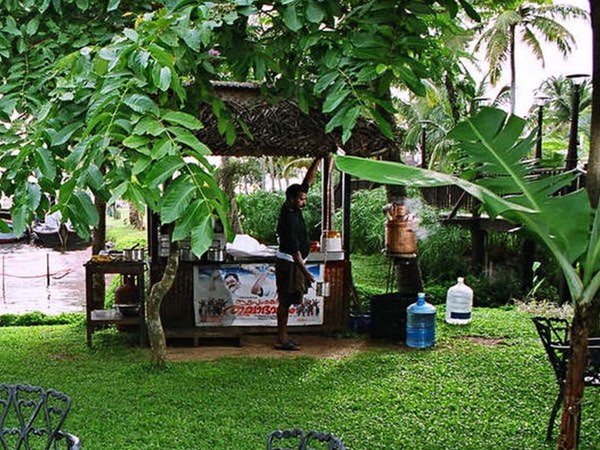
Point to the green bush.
(39, 318)
(367, 221)
(259, 213)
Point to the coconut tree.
(531, 23)
(557, 92)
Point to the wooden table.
(100, 318)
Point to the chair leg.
(555, 408)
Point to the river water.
(41, 279)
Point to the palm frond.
(534, 44)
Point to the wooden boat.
(54, 234)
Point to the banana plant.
(503, 180)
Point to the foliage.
(244, 172)
(367, 221)
(491, 144)
(529, 22)
(443, 254)
(461, 386)
(557, 112)
(109, 117)
(125, 236)
(259, 212)
(39, 318)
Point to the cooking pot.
(133, 254)
(215, 254)
(138, 254)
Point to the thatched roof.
(281, 128)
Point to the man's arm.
(311, 174)
(300, 262)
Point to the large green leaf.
(45, 163)
(177, 197)
(64, 134)
(163, 169)
(141, 104)
(181, 118)
(592, 262)
(202, 235)
(86, 211)
(192, 218)
(186, 137)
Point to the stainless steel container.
(215, 254)
(137, 254)
(133, 254)
(185, 254)
(163, 245)
(321, 288)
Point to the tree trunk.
(98, 243)
(156, 334)
(585, 320)
(593, 175)
(593, 171)
(452, 97)
(570, 422)
(513, 71)
(272, 173)
(226, 181)
(135, 217)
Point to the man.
(292, 276)
(258, 289)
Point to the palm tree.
(532, 24)
(558, 107)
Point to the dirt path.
(261, 346)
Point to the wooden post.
(346, 200)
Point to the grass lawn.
(493, 393)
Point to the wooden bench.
(32, 417)
(554, 334)
(302, 440)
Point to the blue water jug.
(420, 323)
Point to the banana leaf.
(493, 148)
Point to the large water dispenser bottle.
(459, 303)
(420, 323)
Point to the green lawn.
(460, 395)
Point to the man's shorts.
(291, 283)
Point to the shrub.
(39, 318)
(367, 221)
(259, 212)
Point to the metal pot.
(133, 254)
(137, 254)
(215, 254)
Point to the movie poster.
(246, 295)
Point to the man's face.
(231, 283)
(301, 200)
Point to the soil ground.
(261, 346)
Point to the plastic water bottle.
(420, 323)
(459, 302)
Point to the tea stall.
(230, 290)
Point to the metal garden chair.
(303, 441)
(554, 334)
(32, 417)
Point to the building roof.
(280, 128)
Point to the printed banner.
(246, 295)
